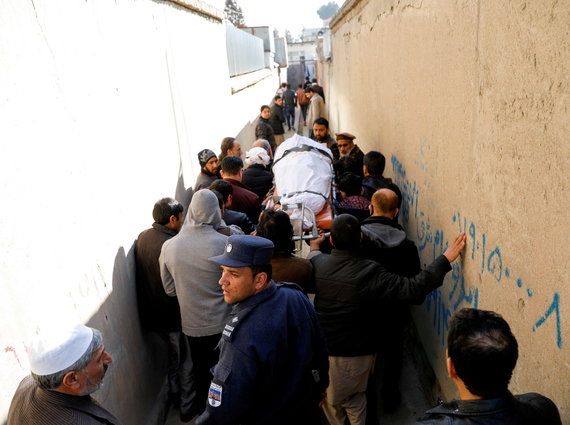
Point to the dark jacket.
(157, 311)
(358, 155)
(239, 219)
(245, 200)
(349, 293)
(372, 184)
(385, 242)
(263, 130)
(273, 365)
(524, 409)
(289, 99)
(259, 179)
(277, 119)
(332, 145)
(33, 405)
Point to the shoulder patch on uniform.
(215, 395)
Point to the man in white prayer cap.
(67, 365)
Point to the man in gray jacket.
(187, 273)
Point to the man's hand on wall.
(456, 247)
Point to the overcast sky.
(291, 14)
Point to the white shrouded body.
(307, 170)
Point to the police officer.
(273, 366)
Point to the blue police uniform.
(273, 366)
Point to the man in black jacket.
(157, 311)
(373, 164)
(481, 355)
(385, 241)
(263, 129)
(321, 133)
(349, 291)
(277, 119)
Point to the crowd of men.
(221, 285)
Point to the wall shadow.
(135, 385)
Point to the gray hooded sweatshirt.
(187, 273)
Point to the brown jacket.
(244, 200)
(33, 405)
(293, 269)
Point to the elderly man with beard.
(67, 364)
(347, 147)
(188, 274)
(208, 169)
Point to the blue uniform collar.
(258, 298)
(242, 309)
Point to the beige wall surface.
(469, 102)
(104, 105)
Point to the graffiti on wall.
(480, 249)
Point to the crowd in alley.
(279, 290)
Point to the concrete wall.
(104, 105)
(469, 100)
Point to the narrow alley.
(111, 106)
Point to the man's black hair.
(222, 187)
(220, 198)
(483, 350)
(275, 225)
(310, 89)
(277, 97)
(350, 183)
(164, 209)
(322, 121)
(266, 268)
(264, 107)
(375, 162)
(345, 232)
(231, 165)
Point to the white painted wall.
(104, 105)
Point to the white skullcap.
(55, 349)
(257, 156)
